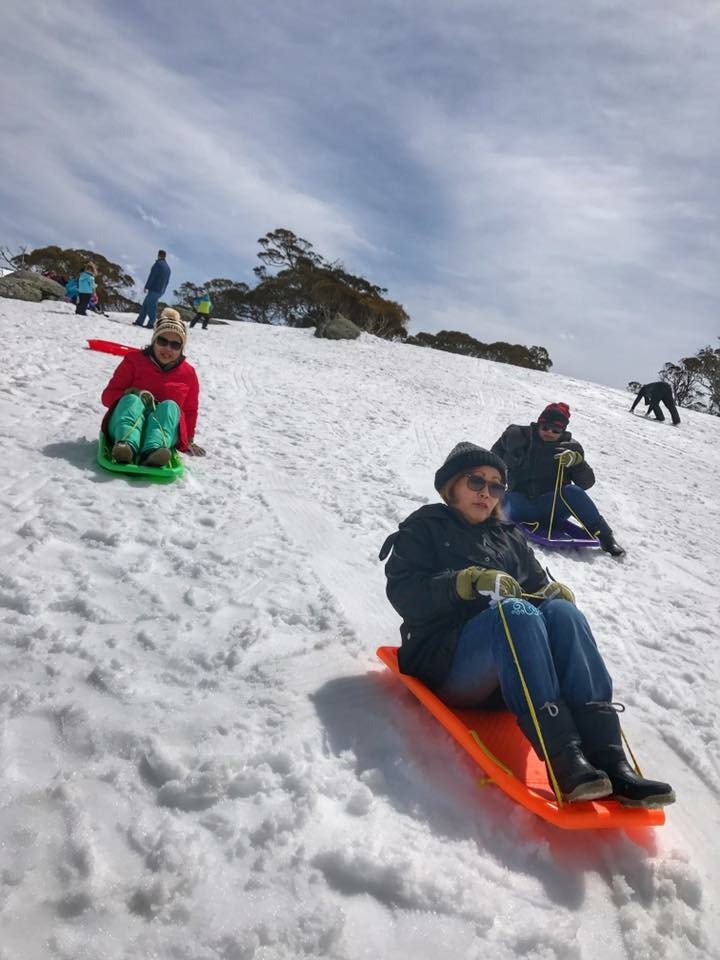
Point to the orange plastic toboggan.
(517, 770)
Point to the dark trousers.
(82, 303)
(203, 318)
(659, 415)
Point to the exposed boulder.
(15, 289)
(337, 328)
(186, 313)
(22, 280)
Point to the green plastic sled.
(166, 474)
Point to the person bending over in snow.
(533, 454)
(654, 394)
(153, 399)
(450, 565)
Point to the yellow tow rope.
(533, 714)
(558, 493)
(140, 418)
(531, 708)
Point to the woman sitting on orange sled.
(460, 577)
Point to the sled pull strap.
(638, 771)
(488, 753)
(558, 493)
(558, 486)
(531, 708)
(128, 433)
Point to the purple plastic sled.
(565, 535)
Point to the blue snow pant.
(144, 429)
(148, 309)
(556, 651)
(521, 508)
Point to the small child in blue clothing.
(86, 287)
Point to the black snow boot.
(599, 729)
(576, 778)
(608, 543)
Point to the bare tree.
(10, 259)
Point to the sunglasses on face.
(552, 428)
(173, 344)
(476, 482)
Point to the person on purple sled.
(452, 568)
(533, 454)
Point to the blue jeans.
(521, 508)
(148, 309)
(555, 648)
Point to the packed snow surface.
(201, 757)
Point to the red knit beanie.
(555, 413)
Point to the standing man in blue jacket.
(155, 287)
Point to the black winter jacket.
(431, 546)
(652, 393)
(532, 468)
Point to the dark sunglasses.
(552, 428)
(476, 482)
(173, 344)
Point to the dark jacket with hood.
(653, 393)
(531, 463)
(431, 546)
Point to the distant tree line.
(305, 289)
(695, 381)
(536, 358)
(294, 286)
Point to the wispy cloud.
(543, 173)
(148, 217)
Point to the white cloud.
(148, 217)
(538, 173)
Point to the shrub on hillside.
(454, 341)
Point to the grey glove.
(195, 450)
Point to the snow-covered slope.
(200, 756)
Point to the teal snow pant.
(143, 428)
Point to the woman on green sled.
(153, 399)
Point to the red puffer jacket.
(139, 371)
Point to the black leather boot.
(608, 543)
(576, 778)
(599, 729)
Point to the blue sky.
(538, 173)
